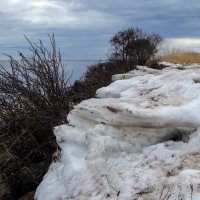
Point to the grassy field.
(180, 56)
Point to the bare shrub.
(34, 98)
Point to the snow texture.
(139, 140)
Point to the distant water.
(75, 67)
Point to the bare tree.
(134, 46)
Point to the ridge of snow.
(140, 139)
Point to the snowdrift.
(139, 139)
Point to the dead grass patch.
(180, 56)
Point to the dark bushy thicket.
(33, 99)
(97, 76)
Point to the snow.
(138, 140)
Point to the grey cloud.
(83, 28)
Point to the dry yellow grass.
(180, 56)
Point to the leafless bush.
(34, 98)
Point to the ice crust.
(138, 140)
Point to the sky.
(83, 28)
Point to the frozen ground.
(139, 140)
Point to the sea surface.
(73, 68)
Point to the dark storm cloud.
(84, 27)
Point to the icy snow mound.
(140, 139)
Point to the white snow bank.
(120, 145)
